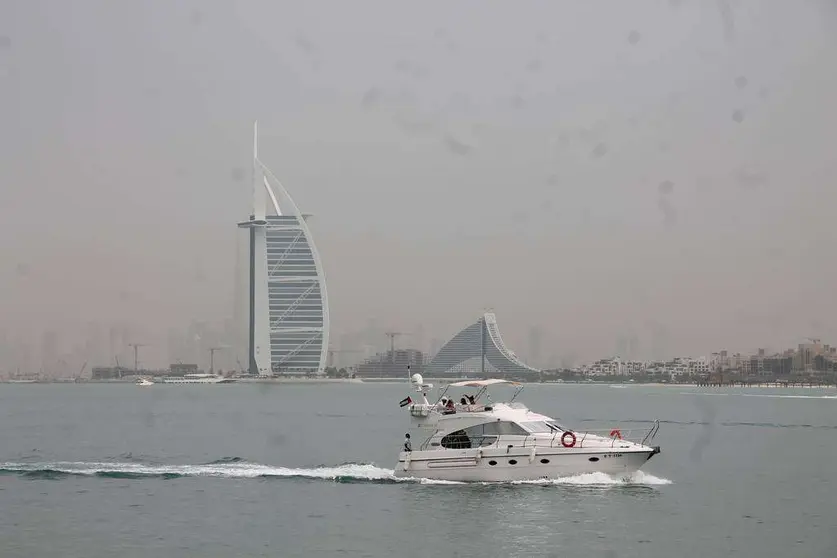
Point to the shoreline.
(439, 382)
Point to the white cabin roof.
(500, 411)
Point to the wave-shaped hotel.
(288, 303)
(478, 349)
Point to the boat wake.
(766, 395)
(235, 467)
(639, 478)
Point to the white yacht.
(144, 382)
(479, 440)
(197, 379)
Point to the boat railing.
(635, 435)
(652, 433)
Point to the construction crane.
(136, 347)
(81, 371)
(332, 352)
(392, 335)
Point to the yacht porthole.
(512, 461)
(594, 459)
(492, 463)
(544, 461)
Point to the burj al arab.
(288, 305)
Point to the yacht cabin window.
(483, 434)
(501, 428)
(496, 428)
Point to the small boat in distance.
(144, 382)
(479, 440)
(197, 379)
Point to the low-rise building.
(392, 364)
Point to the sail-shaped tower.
(288, 305)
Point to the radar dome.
(417, 379)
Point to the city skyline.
(57, 355)
(644, 182)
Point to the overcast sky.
(657, 169)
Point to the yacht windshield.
(537, 427)
(555, 426)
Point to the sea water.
(306, 470)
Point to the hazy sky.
(657, 169)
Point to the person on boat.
(408, 446)
(449, 407)
(471, 399)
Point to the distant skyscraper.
(627, 346)
(621, 347)
(288, 303)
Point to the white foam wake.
(358, 471)
(638, 478)
(349, 472)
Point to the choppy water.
(296, 470)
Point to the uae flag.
(405, 401)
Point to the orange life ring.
(564, 442)
(615, 432)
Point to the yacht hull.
(518, 464)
